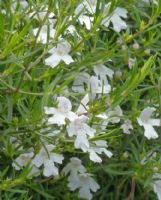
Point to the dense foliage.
(80, 99)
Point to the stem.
(132, 192)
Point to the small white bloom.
(119, 41)
(74, 167)
(42, 37)
(116, 19)
(86, 6)
(125, 155)
(83, 107)
(115, 115)
(80, 80)
(126, 126)
(61, 113)
(23, 5)
(102, 71)
(149, 157)
(22, 160)
(59, 53)
(136, 46)
(97, 87)
(79, 179)
(80, 129)
(94, 85)
(148, 123)
(148, 1)
(118, 74)
(71, 29)
(147, 51)
(49, 131)
(48, 159)
(98, 147)
(86, 20)
(157, 185)
(40, 15)
(131, 62)
(85, 183)
(112, 116)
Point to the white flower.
(79, 179)
(102, 71)
(22, 160)
(50, 132)
(98, 147)
(136, 46)
(80, 129)
(40, 15)
(71, 29)
(86, 6)
(157, 185)
(148, 1)
(83, 107)
(80, 80)
(43, 35)
(61, 113)
(48, 159)
(85, 183)
(74, 167)
(86, 20)
(148, 123)
(59, 53)
(112, 116)
(126, 126)
(131, 62)
(96, 86)
(23, 4)
(116, 19)
(147, 51)
(118, 74)
(115, 115)
(149, 157)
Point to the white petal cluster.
(149, 1)
(23, 5)
(81, 130)
(74, 167)
(126, 126)
(147, 122)
(40, 15)
(116, 19)
(131, 62)
(112, 116)
(96, 84)
(83, 9)
(47, 29)
(98, 147)
(83, 107)
(79, 82)
(43, 34)
(102, 72)
(80, 179)
(48, 159)
(157, 185)
(60, 114)
(22, 160)
(87, 8)
(58, 54)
